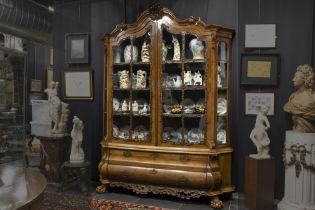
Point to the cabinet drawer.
(160, 176)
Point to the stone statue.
(176, 56)
(259, 134)
(77, 154)
(302, 102)
(58, 110)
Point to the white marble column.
(299, 160)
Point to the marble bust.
(259, 135)
(197, 48)
(301, 103)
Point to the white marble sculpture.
(77, 154)
(197, 49)
(197, 78)
(145, 52)
(176, 56)
(299, 146)
(259, 135)
(58, 110)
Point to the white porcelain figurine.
(124, 81)
(197, 78)
(176, 56)
(141, 79)
(145, 52)
(77, 154)
(219, 80)
(187, 78)
(127, 53)
(135, 106)
(197, 49)
(259, 135)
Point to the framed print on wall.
(260, 69)
(78, 83)
(36, 85)
(77, 48)
(252, 99)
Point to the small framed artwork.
(78, 83)
(260, 69)
(252, 99)
(36, 85)
(260, 35)
(77, 48)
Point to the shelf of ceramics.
(120, 89)
(172, 62)
(141, 63)
(140, 89)
(194, 61)
(183, 115)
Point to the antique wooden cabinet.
(167, 107)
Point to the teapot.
(177, 81)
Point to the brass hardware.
(183, 180)
(127, 154)
(153, 171)
(184, 158)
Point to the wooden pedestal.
(54, 152)
(259, 183)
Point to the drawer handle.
(154, 171)
(127, 153)
(184, 158)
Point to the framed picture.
(77, 48)
(78, 83)
(260, 69)
(252, 99)
(36, 85)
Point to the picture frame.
(260, 69)
(263, 98)
(78, 83)
(36, 85)
(260, 35)
(77, 48)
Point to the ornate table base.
(299, 160)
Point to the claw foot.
(216, 203)
(101, 188)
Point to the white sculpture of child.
(259, 134)
(77, 154)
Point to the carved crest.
(193, 20)
(156, 12)
(121, 27)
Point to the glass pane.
(222, 75)
(222, 51)
(221, 130)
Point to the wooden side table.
(75, 173)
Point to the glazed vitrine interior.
(12, 105)
(166, 106)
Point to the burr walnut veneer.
(144, 150)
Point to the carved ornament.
(298, 158)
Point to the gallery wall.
(294, 44)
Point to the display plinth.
(299, 160)
(54, 151)
(259, 183)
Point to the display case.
(167, 107)
(12, 104)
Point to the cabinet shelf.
(133, 63)
(130, 114)
(193, 115)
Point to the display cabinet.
(167, 107)
(12, 104)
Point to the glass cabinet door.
(131, 75)
(222, 100)
(183, 104)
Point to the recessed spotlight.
(51, 9)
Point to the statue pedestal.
(259, 183)
(299, 160)
(54, 151)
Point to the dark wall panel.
(294, 27)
